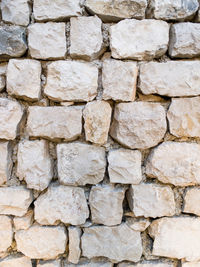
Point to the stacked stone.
(100, 133)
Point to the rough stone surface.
(23, 78)
(80, 164)
(125, 166)
(39, 242)
(5, 162)
(106, 204)
(34, 164)
(97, 116)
(16, 12)
(3, 68)
(127, 42)
(89, 263)
(16, 261)
(56, 263)
(184, 40)
(162, 163)
(110, 11)
(172, 10)
(147, 264)
(6, 233)
(173, 237)
(15, 200)
(160, 201)
(74, 244)
(117, 243)
(191, 200)
(45, 10)
(71, 81)
(172, 78)
(61, 203)
(13, 41)
(47, 40)
(138, 125)
(86, 38)
(23, 223)
(191, 264)
(55, 122)
(119, 80)
(138, 224)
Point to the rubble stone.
(5, 162)
(6, 233)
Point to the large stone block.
(5, 162)
(16, 261)
(6, 234)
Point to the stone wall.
(100, 133)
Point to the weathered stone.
(6, 233)
(10, 116)
(5, 162)
(86, 38)
(106, 204)
(23, 223)
(147, 264)
(110, 11)
(138, 224)
(97, 116)
(160, 201)
(183, 116)
(184, 40)
(89, 263)
(172, 78)
(117, 243)
(80, 164)
(191, 200)
(138, 125)
(61, 203)
(45, 10)
(23, 78)
(12, 41)
(16, 261)
(47, 40)
(3, 68)
(71, 81)
(177, 163)
(34, 164)
(190, 264)
(119, 80)
(41, 242)
(74, 244)
(127, 42)
(56, 263)
(16, 12)
(55, 122)
(125, 166)
(173, 237)
(178, 10)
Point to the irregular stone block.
(125, 166)
(176, 163)
(127, 42)
(5, 162)
(89, 263)
(191, 200)
(74, 244)
(160, 201)
(61, 203)
(41, 242)
(184, 40)
(16, 261)
(106, 204)
(6, 233)
(172, 78)
(23, 78)
(3, 68)
(54, 122)
(110, 11)
(45, 10)
(119, 80)
(71, 81)
(117, 243)
(97, 116)
(190, 264)
(147, 264)
(138, 224)
(47, 40)
(80, 164)
(16, 12)
(15, 36)
(86, 38)
(138, 125)
(23, 223)
(34, 164)
(56, 263)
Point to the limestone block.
(54, 122)
(138, 125)
(97, 116)
(24, 222)
(47, 40)
(23, 78)
(125, 166)
(106, 204)
(127, 42)
(41, 242)
(89, 263)
(51, 263)
(71, 81)
(191, 200)
(34, 164)
(5, 162)
(147, 264)
(74, 244)
(86, 38)
(138, 224)
(190, 264)
(80, 164)
(177, 163)
(16, 261)
(61, 203)
(119, 79)
(6, 233)
(3, 68)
